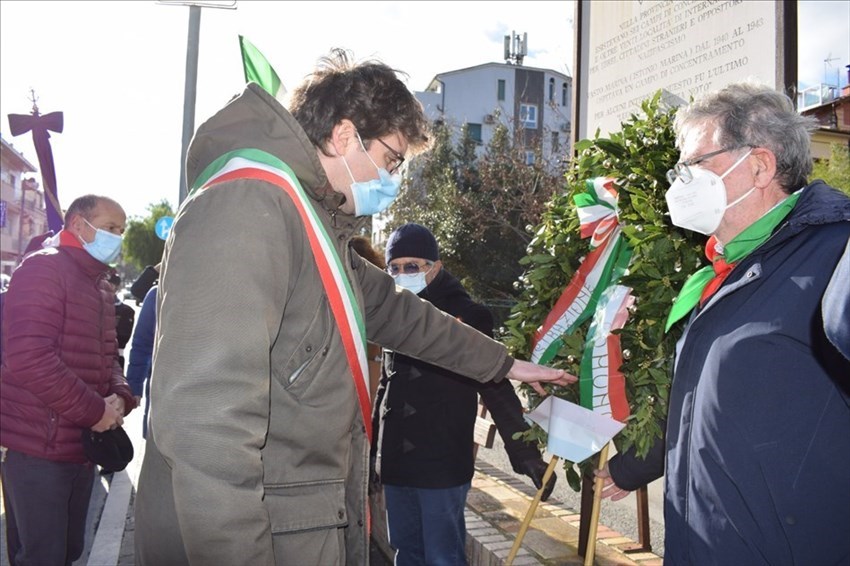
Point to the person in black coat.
(125, 317)
(424, 419)
(143, 283)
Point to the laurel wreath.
(638, 157)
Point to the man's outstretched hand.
(534, 375)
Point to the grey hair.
(752, 114)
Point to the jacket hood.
(254, 119)
(820, 204)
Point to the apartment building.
(22, 211)
(533, 103)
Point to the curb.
(110, 529)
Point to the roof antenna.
(828, 63)
(516, 48)
(33, 99)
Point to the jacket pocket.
(306, 506)
(301, 368)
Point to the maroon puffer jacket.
(59, 354)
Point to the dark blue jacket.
(758, 434)
(141, 353)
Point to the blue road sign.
(163, 227)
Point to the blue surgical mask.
(375, 195)
(105, 247)
(413, 283)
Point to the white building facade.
(534, 103)
(22, 212)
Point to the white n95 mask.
(699, 205)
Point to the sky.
(824, 34)
(116, 69)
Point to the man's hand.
(536, 469)
(609, 488)
(532, 374)
(111, 418)
(117, 402)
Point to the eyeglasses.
(410, 268)
(682, 169)
(395, 163)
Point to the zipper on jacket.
(298, 370)
(326, 339)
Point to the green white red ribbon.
(260, 165)
(597, 209)
(601, 383)
(578, 301)
(596, 277)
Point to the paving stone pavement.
(496, 507)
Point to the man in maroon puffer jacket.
(59, 376)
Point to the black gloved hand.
(536, 469)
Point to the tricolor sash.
(262, 166)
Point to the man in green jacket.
(257, 450)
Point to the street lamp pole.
(191, 87)
(189, 92)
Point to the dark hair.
(84, 205)
(364, 249)
(370, 94)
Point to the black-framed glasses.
(682, 169)
(409, 268)
(397, 162)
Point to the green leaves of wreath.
(663, 257)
